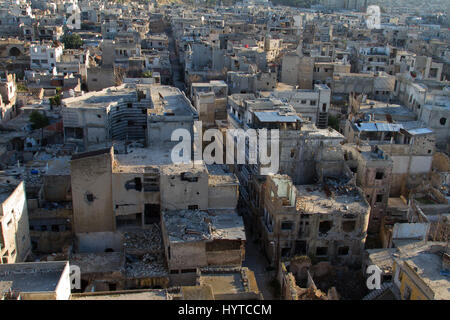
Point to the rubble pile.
(340, 186)
(147, 239)
(149, 265)
(188, 225)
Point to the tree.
(39, 121)
(147, 74)
(55, 100)
(333, 122)
(72, 41)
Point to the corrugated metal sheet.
(274, 116)
(380, 126)
(419, 131)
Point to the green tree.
(72, 41)
(333, 122)
(55, 100)
(39, 121)
(21, 87)
(147, 74)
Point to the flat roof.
(105, 262)
(152, 294)
(103, 98)
(383, 258)
(219, 175)
(167, 99)
(378, 107)
(419, 131)
(223, 283)
(276, 116)
(427, 264)
(138, 158)
(229, 280)
(196, 225)
(314, 199)
(33, 276)
(377, 127)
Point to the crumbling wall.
(57, 188)
(91, 179)
(223, 196)
(191, 189)
(98, 242)
(185, 255)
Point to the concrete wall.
(128, 198)
(98, 242)
(14, 225)
(92, 193)
(99, 78)
(223, 196)
(57, 188)
(187, 193)
(185, 255)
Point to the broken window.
(151, 213)
(285, 252)
(138, 183)
(222, 245)
(387, 277)
(348, 226)
(379, 198)
(89, 197)
(407, 293)
(287, 225)
(321, 251)
(300, 247)
(379, 175)
(188, 270)
(112, 286)
(343, 251)
(193, 207)
(325, 226)
(185, 176)
(74, 133)
(134, 220)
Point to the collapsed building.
(145, 113)
(326, 221)
(119, 194)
